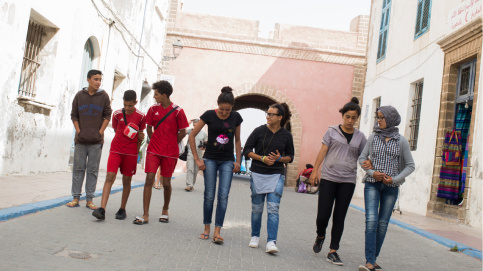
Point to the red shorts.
(127, 163)
(167, 164)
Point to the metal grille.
(377, 104)
(31, 61)
(414, 123)
(465, 81)
(422, 17)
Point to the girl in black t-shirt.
(223, 127)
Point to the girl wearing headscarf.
(390, 163)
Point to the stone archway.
(268, 93)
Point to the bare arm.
(181, 135)
(236, 168)
(191, 140)
(314, 177)
(149, 130)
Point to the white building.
(47, 49)
(424, 59)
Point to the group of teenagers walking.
(385, 156)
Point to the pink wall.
(317, 89)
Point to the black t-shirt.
(264, 141)
(221, 135)
(347, 136)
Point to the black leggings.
(329, 192)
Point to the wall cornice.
(268, 47)
(461, 35)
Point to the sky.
(328, 14)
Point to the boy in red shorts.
(128, 124)
(169, 123)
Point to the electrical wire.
(117, 20)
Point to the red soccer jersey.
(121, 143)
(164, 140)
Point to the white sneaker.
(271, 247)
(254, 242)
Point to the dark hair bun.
(355, 100)
(226, 90)
(288, 114)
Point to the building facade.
(424, 58)
(48, 48)
(315, 71)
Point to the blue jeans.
(379, 200)
(224, 170)
(273, 205)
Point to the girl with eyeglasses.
(390, 163)
(341, 146)
(223, 137)
(269, 146)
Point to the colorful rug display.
(449, 176)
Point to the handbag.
(131, 129)
(184, 155)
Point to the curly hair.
(163, 87)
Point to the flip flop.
(218, 240)
(73, 204)
(91, 206)
(205, 236)
(139, 221)
(164, 219)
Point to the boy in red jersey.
(166, 126)
(128, 124)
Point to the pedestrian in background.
(273, 147)
(192, 169)
(223, 136)
(390, 163)
(341, 146)
(91, 113)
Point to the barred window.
(31, 62)
(414, 122)
(376, 103)
(423, 17)
(383, 29)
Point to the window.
(466, 82)
(414, 122)
(422, 18)
(376, 103)
(31, 62)
(38, 62)
(381, 48)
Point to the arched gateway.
(260, 97)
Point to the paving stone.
(33, 242)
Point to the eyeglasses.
(271, 114)
(380, 118)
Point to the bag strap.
(165, 116)
(451, 137)
(124, 114)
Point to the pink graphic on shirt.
(222, 139)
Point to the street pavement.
(72, 239)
